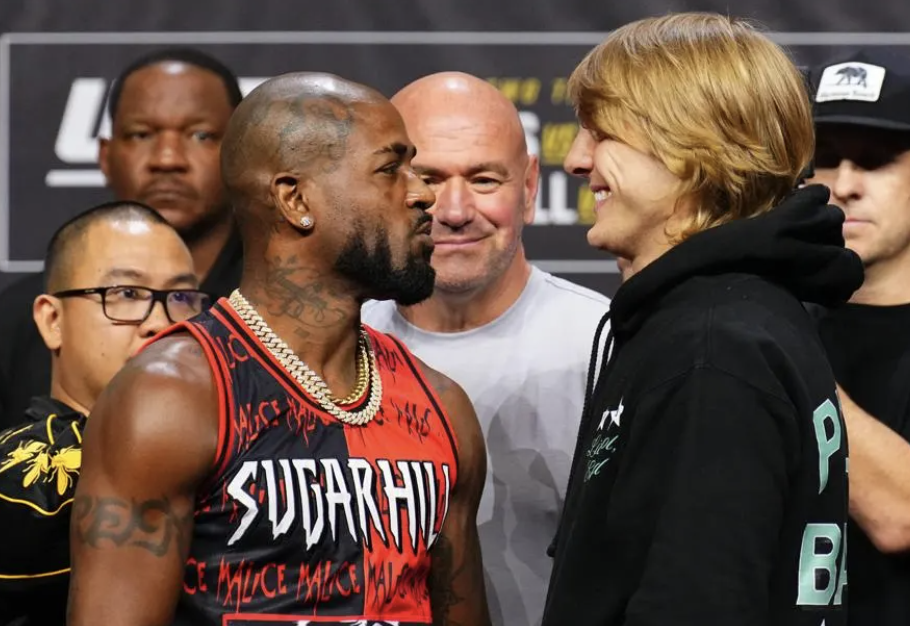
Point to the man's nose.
(454, 203)
(168, 152)
(579, 160)
(420, 196)
(156, 321)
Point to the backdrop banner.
(54, 86)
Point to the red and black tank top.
(306, 519)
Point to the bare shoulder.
(173, 367)
(453, 397)
(178, 358)
(150, 442)
(163, 403)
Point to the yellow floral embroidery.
(26, 451)
(65, 463)
(37, 466)
(42, 463)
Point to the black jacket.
(709, 484)
(40, 459)
(25, 363)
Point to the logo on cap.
(851, 81)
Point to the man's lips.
(456, 242)
(172, 190)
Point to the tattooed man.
(273, 459)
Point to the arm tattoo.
(152, 525)
(443, 385)
(442, 582)
(440, 383)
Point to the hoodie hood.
(798, 245)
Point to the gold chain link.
(307, 378)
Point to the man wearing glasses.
(116, 275)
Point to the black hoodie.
(709, 484)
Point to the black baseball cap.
(869, 87)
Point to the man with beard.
(169, 110)
(295, 464)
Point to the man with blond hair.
(709, 485)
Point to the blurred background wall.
(57, 60)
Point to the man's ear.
(47, 312)
(290, 197)
(531, 188)
(104, 155)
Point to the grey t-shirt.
(525, 373)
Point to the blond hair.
(721, 105)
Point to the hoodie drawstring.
(586, 417)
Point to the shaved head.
(462, 96)
(293, 122)
(471, 150)
(318, 171)
(67, 245)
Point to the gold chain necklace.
(306, 377)
(363, 374)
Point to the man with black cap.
(862, 119)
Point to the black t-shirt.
(25, 363)
(869, 350)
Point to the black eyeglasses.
(131, 304)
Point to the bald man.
(276, 460)
(514, 337)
